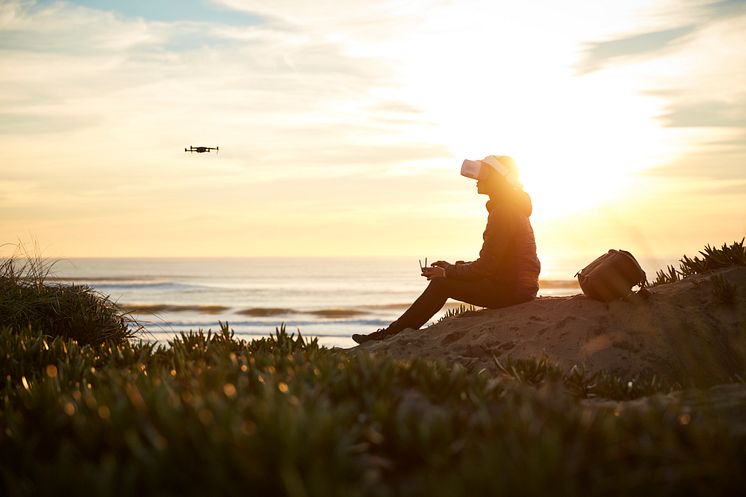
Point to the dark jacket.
(508, 254)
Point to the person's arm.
(437, 269)
(501, 227)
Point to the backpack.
(611, 276)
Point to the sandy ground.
(682, 330)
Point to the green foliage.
(669, 275)
(584, 385)
(724, 291)
(712, 258)
(209, 414)
(71, 311)
(459, 311)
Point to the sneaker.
(380, 334)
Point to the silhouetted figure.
(507, 270)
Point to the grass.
(456, 312)
(712, 258)
(72, 311)
(725, 292)
(210, 414)
(584, 385)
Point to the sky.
(342, 125)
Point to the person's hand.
(443, 264)
(434, 272)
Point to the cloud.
(693, 72)
(712, 113)
(69, 56)
(360, 25)
(63, 28)
(203, 11)
(351, 13)
(735, 188)
(24, 124)
(643, 44)
(709, 163)
(725, 8)
(117, 98)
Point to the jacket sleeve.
(500, 230)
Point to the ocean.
(327, 298)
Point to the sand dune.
(682, 330)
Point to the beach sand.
(683, 330)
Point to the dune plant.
(582, 384)
(27, 300)
(668, 275)
(711, 258)
(715, 258)
(212, 414)
(456, 312)
(724, 291)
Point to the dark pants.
(481, 293)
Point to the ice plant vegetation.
(712, 258)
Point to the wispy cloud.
(282, 91)
(204, 11)
(709, 114)
(640, 44)
(724, 8)
(651, 43)
(117, 97)
(345, 16)
(694, 70)
(28, 124)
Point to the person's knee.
(439, 286)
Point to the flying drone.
(201, 150)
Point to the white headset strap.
(498, 166)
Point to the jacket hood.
(523, 201)
(517, 199)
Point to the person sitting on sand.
(507, 270)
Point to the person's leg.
(482, 293)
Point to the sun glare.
(578, 140)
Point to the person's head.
(495, 174)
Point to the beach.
(681, 331)
(326, 298)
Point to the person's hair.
(508, 162)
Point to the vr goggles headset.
(473, 168)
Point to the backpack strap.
(643, 282)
